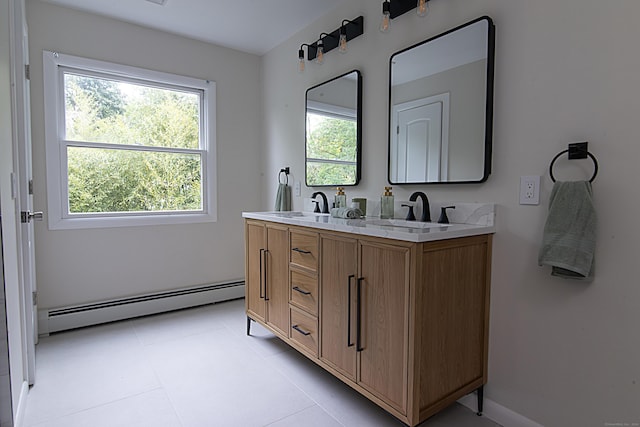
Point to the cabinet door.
(338, 284)
(384, 323)
(277, 278)
(255, 269)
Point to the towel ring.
(575, 155)
(284, 171)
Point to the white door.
(25, 184)
(420, 146)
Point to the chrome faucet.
(325, 204)
(426, 213)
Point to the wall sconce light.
(391, 9)
(342, 43)
(386, 16)
(422, 9)
(301, 60)
(328, 41)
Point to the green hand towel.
(283, 198)
(349, 213)
(568, 242)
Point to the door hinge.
(27, 72)
(30, 187)
(398, 130)
(34, 297)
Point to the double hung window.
(127, 146)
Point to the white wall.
(78, 266)
(8, 214)
(562, 353)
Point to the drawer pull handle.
(295, 288)
(302, 251)
(302, 331)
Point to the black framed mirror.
(333, 136)
(441, 107)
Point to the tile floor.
(195, 368)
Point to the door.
(25, 184)
(383, 297)
(420, 147)
(255, 269)
(277, 278)
(339, 271)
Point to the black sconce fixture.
(328, 41)
(391, 9)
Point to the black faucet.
(410, 215)
(325, 204)
(426, 213)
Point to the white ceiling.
(253, 26)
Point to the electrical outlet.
(297, 189)
(530, 190)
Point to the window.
(331, 144)
(127, 146)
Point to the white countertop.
(398, 229)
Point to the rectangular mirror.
(334, 131)
(441, 107)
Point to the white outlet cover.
(530, 190)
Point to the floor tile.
(310, 417)
(151, 409)
(214, 378)
(196, 368)
(85, 368)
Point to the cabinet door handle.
(302, 331)
(303, 292)
(359, 316)
(261, 272)
(349, 343)
(266, 274)
(302, 251)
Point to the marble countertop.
(470, 219)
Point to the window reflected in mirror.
(333, 131)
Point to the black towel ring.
(284, 171)
(576, 151)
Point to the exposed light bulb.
(320, 52)
(301, 63)
(342, 43)
(386, 18)
(422, 8)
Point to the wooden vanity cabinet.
(267, 274)
(405, 324)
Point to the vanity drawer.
(304, 292)
(304, 249)
(304, 330)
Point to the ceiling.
(252, 26)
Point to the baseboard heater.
(60, 319)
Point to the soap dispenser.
(386, 204)
(340, 199)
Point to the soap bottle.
(386, 204)
(340, 199)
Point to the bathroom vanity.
(397, 310)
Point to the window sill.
(129, 221)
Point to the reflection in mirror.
(441, 107)
(334, 131)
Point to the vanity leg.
(480, 395)
(248, 325)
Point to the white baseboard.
(498, 413)
(60, 319)
(22, 405)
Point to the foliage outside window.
(132, 146)
(331, 147)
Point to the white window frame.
(56, 155)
